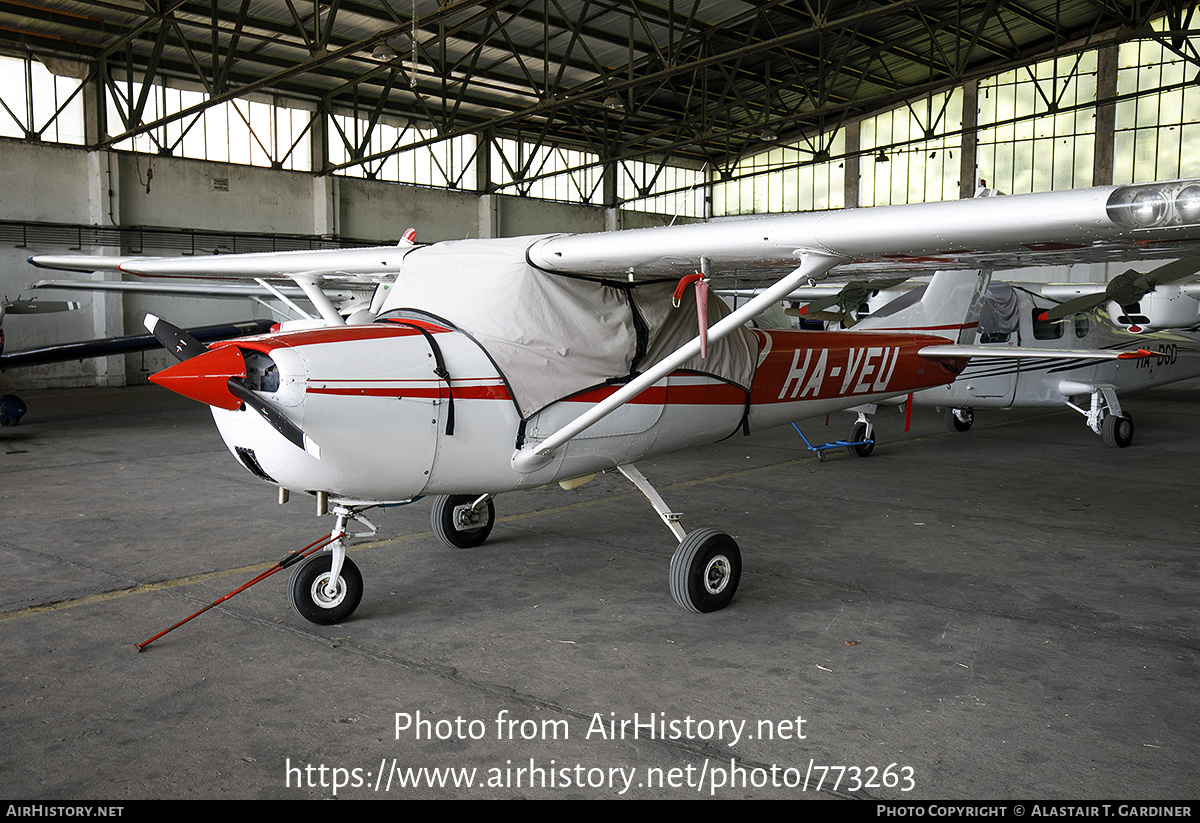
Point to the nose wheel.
(314, 599)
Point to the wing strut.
(537, 455)
(319, 299)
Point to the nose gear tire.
(308, 595)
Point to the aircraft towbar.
(537, 455)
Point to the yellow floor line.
(260, 567)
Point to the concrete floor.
(1008, 613)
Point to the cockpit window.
(1046, 329)
(1081, 325)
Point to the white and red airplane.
(1091, 388)
(1139, 302)
(1016, 315)
(495, 365)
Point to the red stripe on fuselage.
(803, 365)
(714, 394)
(427, 392)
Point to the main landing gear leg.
(1105, 418)
(706, 566)
(862, 435)
(959, 420)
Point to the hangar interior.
(1009, 615)
(193, 128)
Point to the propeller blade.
(1077, 304)
(1172, 272)
(40, 306)
(274, 416)
(1128, 287)
(851, 295)
(174, 339)
(820, 304)
(822, 316)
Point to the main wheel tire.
(12, 409)
(308, 596)
(1117, 431)
(453, 534)
(705, 571)
(959, 420)
(862, 438)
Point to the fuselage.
(1045, 382)
(388, 427)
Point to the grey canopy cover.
(1000, 313)
(554, 335)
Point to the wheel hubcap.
(322, 597)
(466, 520)
(716, 574)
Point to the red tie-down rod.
(291, 559)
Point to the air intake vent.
(251, 463)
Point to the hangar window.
(1037, 126)
(787, 178)
(661, 188)
(908, 157)
(1156, 134)
(400, 151)
(264, 130)
(544, 171)
(42, 101)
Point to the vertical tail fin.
(949, 306)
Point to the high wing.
(340, 283)
(198, 289)
(337, 268)
(335, 295)
(1153, 220)
(1159, 220)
